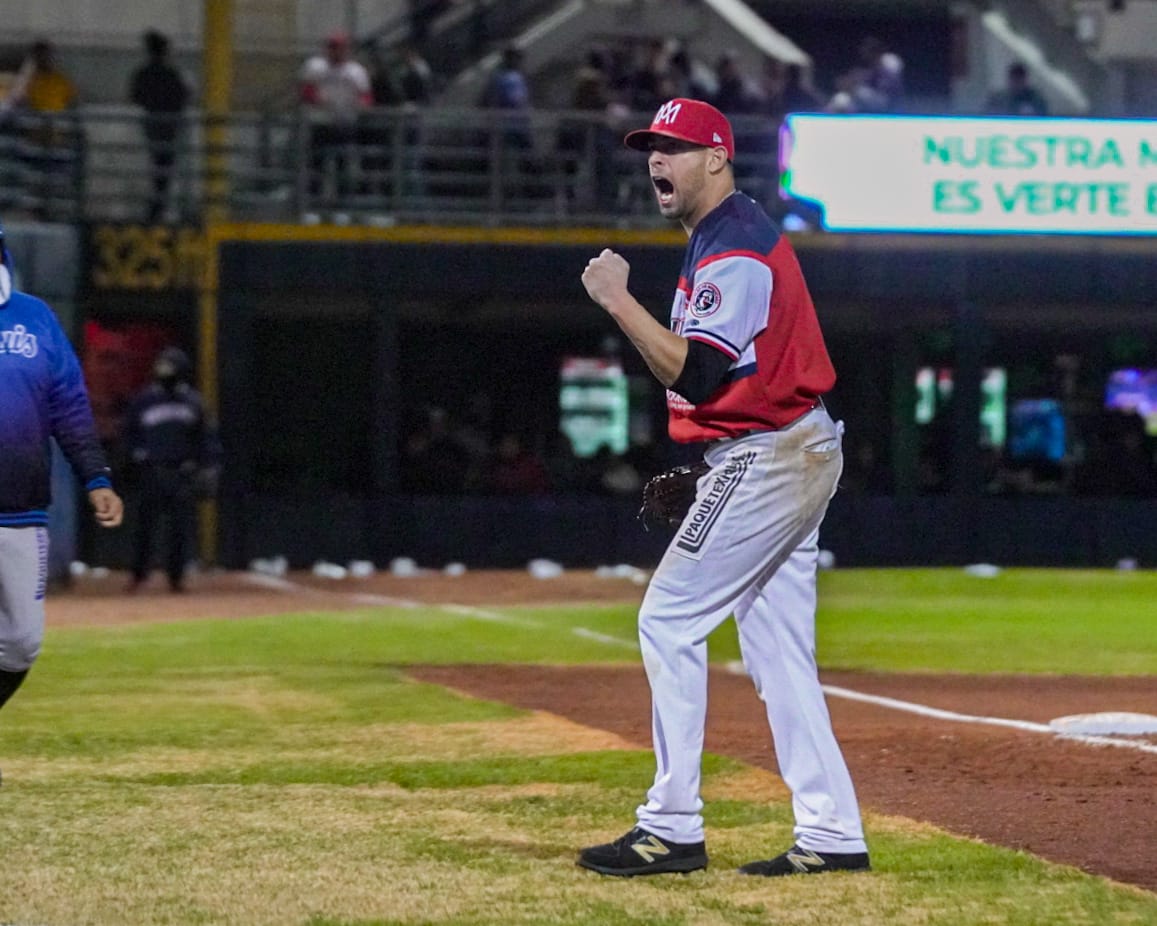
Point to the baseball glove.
(667, 496)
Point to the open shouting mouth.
(664, 189)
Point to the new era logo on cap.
(688, 120)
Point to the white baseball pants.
(748, 548)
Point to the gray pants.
(23, 578)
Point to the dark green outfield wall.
(316, 340)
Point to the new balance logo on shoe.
(650, 848)
(800, 861)
(803, 860)
(643, 853)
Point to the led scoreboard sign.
(960, 174)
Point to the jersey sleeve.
(729, 303)
(70, 415)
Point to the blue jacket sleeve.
(70, 415)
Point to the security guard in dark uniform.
(173, 450)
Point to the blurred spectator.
(591, 91)
(934, 461)
(876, 83)
(646, 80)
(589, 141)
(416, 83)
(408, 83)
(433, 462)
(472, 431)
(799, 93)
(757, 138)
(733, 97)
(415, 78)
(1119, 460)
(507, 87)
(408, 79)
(385, 81)
(689, 78)
(1018, 97)
(335, 89)
(40, 85)
(375, 133)
(42, 100)
(509, 91)
(422, 16)
(516, 470)
(768, 89)
(159, 89)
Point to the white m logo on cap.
(668, 112)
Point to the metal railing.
(434, 165)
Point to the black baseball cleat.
(642, 853)
(798, 861)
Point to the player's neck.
(711, 202)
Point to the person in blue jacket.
(42, 396)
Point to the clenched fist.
(107, 507)
(606, 278)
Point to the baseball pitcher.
(745, 366)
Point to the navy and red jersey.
(741, 291)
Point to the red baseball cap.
(688, 120)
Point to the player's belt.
(819, 403)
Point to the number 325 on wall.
(146, 257)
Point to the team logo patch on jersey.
(706, 300)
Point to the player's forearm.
(663, 351)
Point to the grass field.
(286, 771)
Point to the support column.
(218, 80)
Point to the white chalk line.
(277, 583)
(483, 614)
(603, 638)
(736, 668)
(1025, 725)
